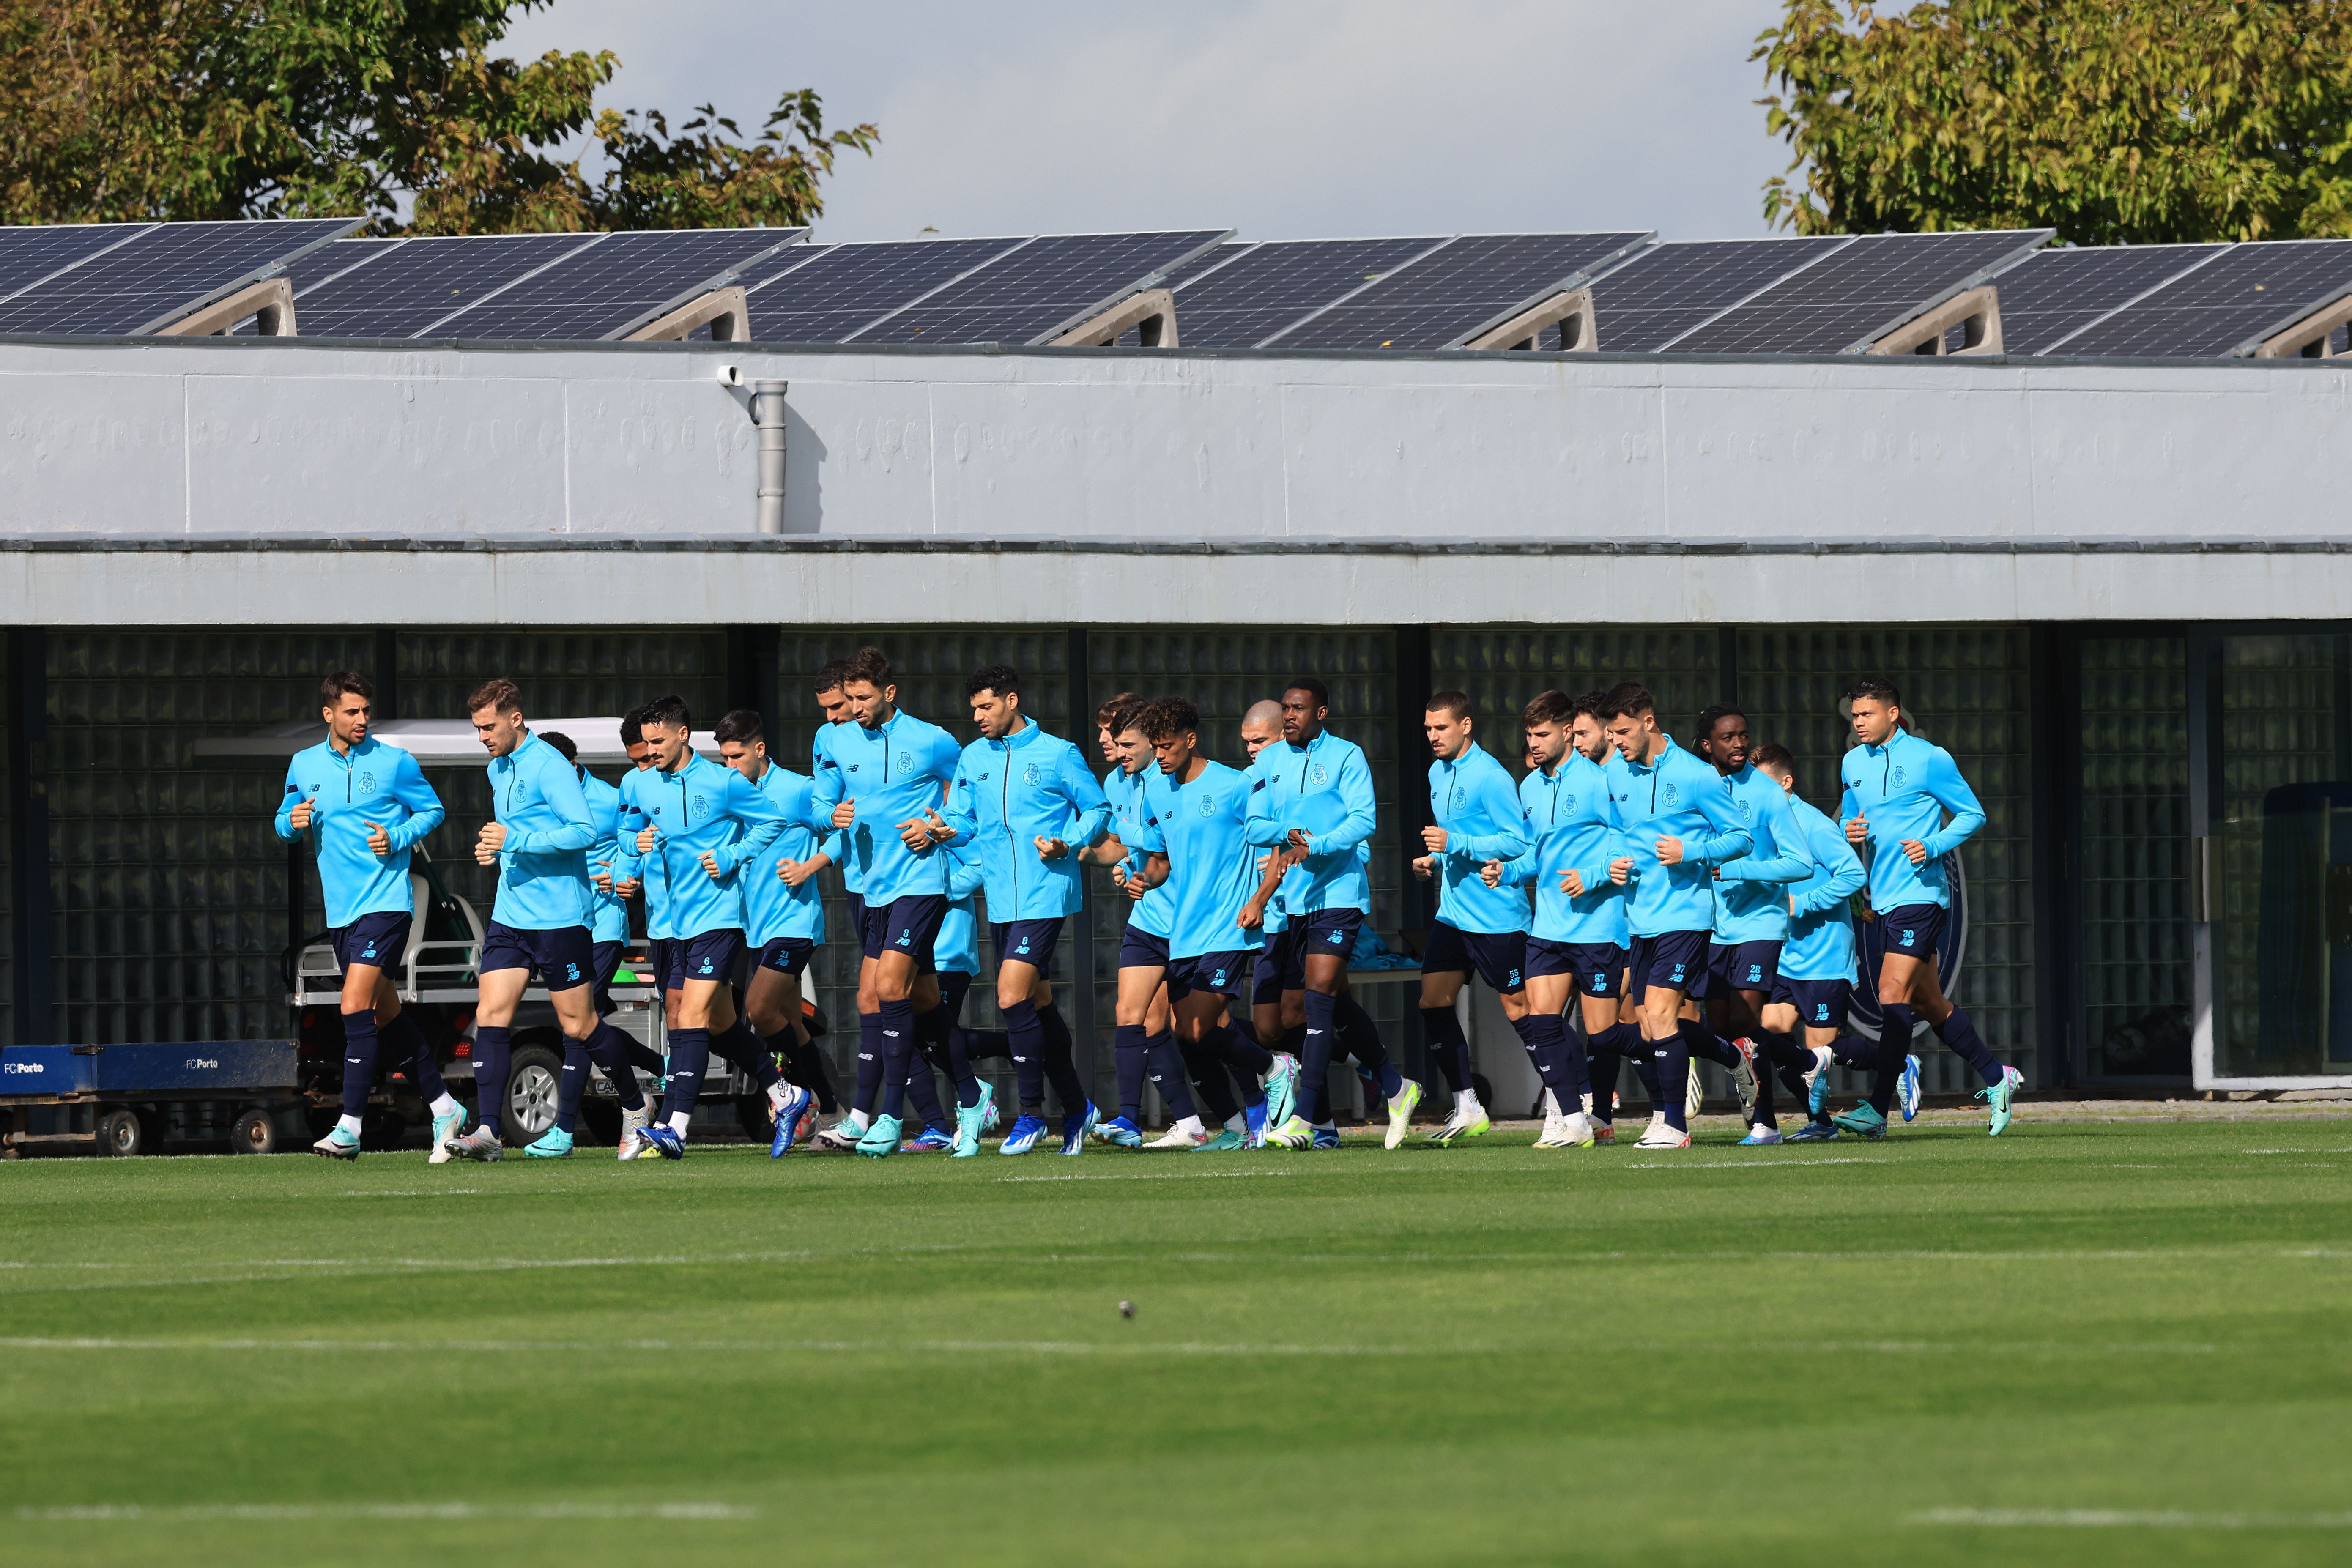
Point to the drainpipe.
(768, 417)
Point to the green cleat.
(1228, 1138)
(1864, 1120)
(1296, 1132)
(1401, 1113)
(1999, 1096)
(881, 1140)
(554, 1143)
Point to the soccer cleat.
(1255, 1121)
(1605, 1131)
(632, 1130)
(1813, 1132)
(841, 1137)
(1743, 1077)
(881, 1140)
(930, 1140)
(554, 1143)
(972, 1120)
(1027, 1130)
(1906, 1094)
(666, 1141)
(1226, 1139)
(787, 1103)
(1758, 1134)
(1657, 1119)
(1119, 1129)
(1573, 1131)
(480, 1144)
(1693, 1095)
(1400, 1106)
(1076, 1128)
(446, 1129)
(1281, 1090)
(1817, 1083)
(1326, 1138)
(1294, 1132)
(337, 1144)
(1999, 1096)
(1664, 1136)
(1467, 1119)
(1186, 1134)
(1550, 1136)
(1864, 1120)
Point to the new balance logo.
(706, 967)
(1822, 1012)
(907, 938)
(1220, 978)
(571, 971)
(1910, 938)
(1335, 937)
(1755, 973)
(1024, 947)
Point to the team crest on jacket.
(1029, 775)
(1571, 802)
(1318, 775)
(1670, 794)
(1897, 775)
(701, 806)
(1208, 805)
(1458, 797)
(367, 784)
(906, 761)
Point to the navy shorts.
(1673, 959)
(379, 939)
(1325, 931)
(709, 955)
(666, 961)
(1599, 966)
(1499, 959)
(1218, 971)
(1820, 1004)
(1138, 949)
(909, 925)
(1915, 930)
(1743, 966)
(562, 959)
(787, 954)
(856, 911)
(606, 958)
(1027, 942)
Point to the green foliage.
(223, 109)
(2109, 120)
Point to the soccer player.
(1144, 1041)
(1678, 814)
(1317, 807)
(941, 1040)
(1196, 839)
(661, 948)
(1481, 927)
(539, 840)
(362, 804)
(1818, 971)
(608, 935)
(1580, 867)
(1023, 799)
(1898, 789)
(1751, 919)
(703, 822)
(882, 785)
(784, 917)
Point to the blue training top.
(1821, 931)
(896, 773)
(1009, 793)
(1133, 820)
(1904, 788)
(1569, 817)
(543, 864)
(1324, 789)
(1675, 796)
(957, 947)
(1474, 799)
(1751, 893)
(773, 912)
(371, 782)
(704, 808)
(609, 916)
(1202, 828)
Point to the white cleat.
(841, 1137)
(1572, 1132)
(632, 1124)
(1657, 1119)
(1466, 1120)
(1694, 1094)
(480, 1144)
(1661, 1136)
(1188, 1134)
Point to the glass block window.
(2136, 958)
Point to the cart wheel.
(255, 1131)
(534, 1082)
(120, 1133)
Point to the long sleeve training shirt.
(1474, 800)
(1904, 788)
(1821, 931)
(1138, 826)
(1325, 789)
(773, 912)
(957, 947)
(1675, 796)
(704, 808)
(1202, 827)
(894, 774)
(347, 790)
(543, 864)
(609, 916)
(1009, 793)
(1751, 897)
(1573, 826)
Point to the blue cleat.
(664, 1139)
(1027, 1130)
(788, 1110)
(1326, 1138)
(931, 1141)
(1758, 1134)
(1256, 1121)
(1907, 1095)
(1864, 1121)
(971, 1121)
(1076, 1128)
(1119, 1129)
(1281, 1094)
(1814, 1132)
(1817, 1085)
(554, 1143)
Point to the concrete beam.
(1152, 314)
(2310, 337)
(1977, 311)
(1571, 310)
(270, 302)
(726, 311)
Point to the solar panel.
(1249, 297)
(1664, 291)
(854, 286)
(155, 278)
(1854, 293)
(2225, 305)
(406, 285)
(1034, 292)
(2053, 294)
(1470, 283)
(609, 288)
(30, 255)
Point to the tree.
(398, 110)
(2109, 120)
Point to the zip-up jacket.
(1138, 826)
(1573, 826)
(1324, 789)
(836, 843)
(1212, 868)
(704, 808)
(371, 782)
(647, 871)
(1904, 788)
(1751, 898)
(1009, 793)
(957, 947)
(895, 774)
(1821, 931)
(1676, 796)
(1474, 799)
(773, 912)
(609, 916)
(543, 864)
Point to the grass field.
(2081, 1343)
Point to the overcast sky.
(1282, 118)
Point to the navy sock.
(1131, 1057)
(1061, 1060)
(1166, 1064)
(572, 1085)
(1206, 1064)
(1960, 1032)
(491, 1060)
(1242, 1050)
(1601, 1073)
(358, 1060)
(1315, 1057)
(923, 1089)
(609, 1049)
(981, 1045)
(869, 1062)
(1026, 1031)
(938, 1032)
(1670, 1057)
(1893, 1045)
(1793, 1060)
(689, 1060)
(1708, 1046)
(810, 1069)
(1554, 1053)
(1854, 1051)
(739, 1045)
(410, 1048)
(1449, 1051)
(896, 1025)
(1646, 1065)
